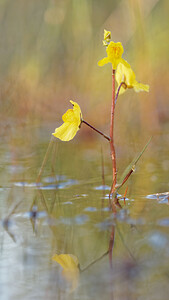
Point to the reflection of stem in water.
(43, 200)
(122, 239)
(53, 163)
(95, 261)
(45, 159)
(111, 244)
(6, 221)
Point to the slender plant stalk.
(112, 148)
(98, 131)
(118, 91)
(45, 159)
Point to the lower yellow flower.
(70, 264)
(114, 53)
(126, 76)
(72, 120)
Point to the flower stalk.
(112, 147)
(98, 131)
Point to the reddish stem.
(112, 148)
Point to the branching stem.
(118, 91)
(98, 131)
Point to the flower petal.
(68, 116)
(125, 63)
(66, 131)
(77, 112)
(72, 120)
(103, 61)
(140, 87)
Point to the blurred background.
(49, 51)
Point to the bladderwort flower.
(126, 77)
(72, 120)
(114, 55)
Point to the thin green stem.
(98, 131)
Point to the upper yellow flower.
(72, 120)
(70, 264)
(126, 75)
(114, 55)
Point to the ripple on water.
(107, 196)
(61, 185)
(51, 179)
(102, 187)
(159, 196)
(79, 220)
(163, 222)
(105, 225)
(157, 240)
(26, 184)
(91, 209)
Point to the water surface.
(68, 212)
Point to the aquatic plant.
(126, 79)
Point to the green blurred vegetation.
(49, 52)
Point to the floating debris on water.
(39, 185)
(163, 222)
(26, 184)
(161, 197)
(91, 209)
(102, 187)
(51, 179)
(68, 202)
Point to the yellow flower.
(70, 264)
(127, 76)
(114, 55)
(72, 120)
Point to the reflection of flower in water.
(70, 272)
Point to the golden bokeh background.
(49, 52)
